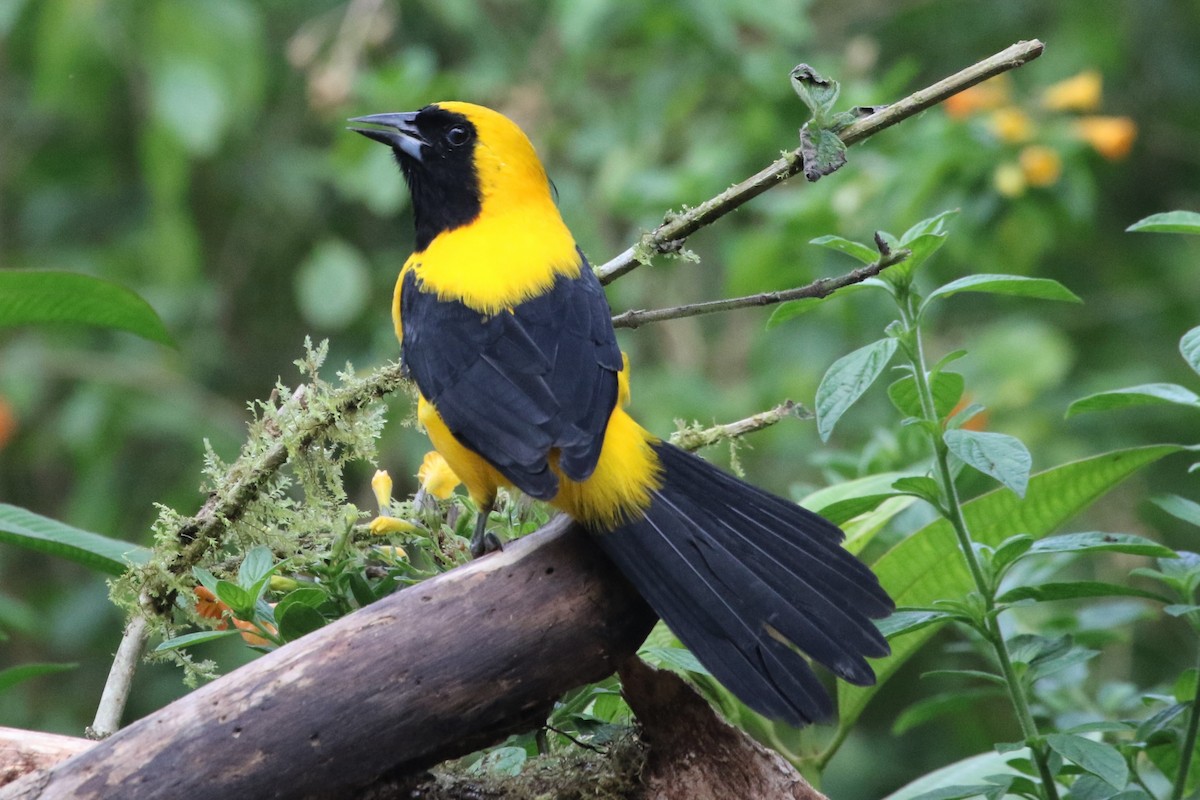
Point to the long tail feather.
(741, 576)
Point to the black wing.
(518, 384)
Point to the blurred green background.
(196, 152)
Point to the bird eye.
(458, 136)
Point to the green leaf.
(902, 622)
(818, 92)
(1179, 507)
(206, 579)
(298, 619)
(947, 388)
(22, 527)
(45, 298)
(257, 564)
(823, 151)
(792, 308)
(1148, 394)
(1101, 760)
(930, 708)
(1072, 590)
(239, 600)
(1010, 550)
(502, 761)
(676, 659)
(975, 770)
(955, 792)
(1018, 285)
(848, 509)
(847, 379)
(1189, 348)
(920, 250)
(857, 250)
(937, 224)
(1168, 222)
(189, 639)
(361, 589)
(926, 566)
(976, 674)
(22, 672)
(1003, 457)
(1095, 541)
(921, 486)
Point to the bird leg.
(484, 541)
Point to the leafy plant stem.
(1189, 743)
(913, 345)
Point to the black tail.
(739, 575)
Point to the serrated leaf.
(1101, 760)
(1148, 394)
(999, 455)
(1096, 541)
(1189, 348)
(189, 639)
(32, 531)
(925, 567)
(847, 379)
(22, 672)
(1179, 507)
(1168, 222)
(1017, 285)
(1073, 590)
(298, 619)
(947, 389)
(857, 250)
(42, 298)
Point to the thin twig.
(120, 676)
(670, 235)
(692, 440)
(821, 287)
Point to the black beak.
(403, 135)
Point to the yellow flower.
(1009, 180)
(1111, 137)
(381, 484)
(383, 525)
(980, 97)
(1079, 93)
(1041, 165)
(1012, 125)
(436, 476)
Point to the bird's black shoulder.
(515, 385)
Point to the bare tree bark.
(22, 752)
(432, 672)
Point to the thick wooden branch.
(432, 672)
(22, 752)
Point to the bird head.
(459, 159)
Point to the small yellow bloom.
(980, 97)
(1041, 165)
(1111, 137)
(383, 525)
(1009, 180)
(1079, 93)
(392, 552)
(436, 476)
(381, 484)
(1012, 125)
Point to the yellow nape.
(518, 245)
